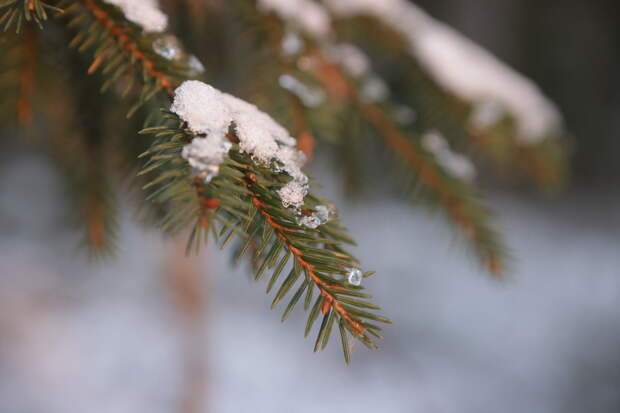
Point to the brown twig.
(125, 41)
(324, 287)
(27, 77)
(189, 299)
(340, 87)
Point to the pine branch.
(124, 54)
(78, 140)
(440, 109)
(27, 77)
(456, 197)
(19, 12)
(242, 201)
(18, 69)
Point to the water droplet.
(311, 221)
(355, 276)
(325, 212)
(374, 89)
(209, 172)
(405, 115)
(194, 65)
(292, 43)
(168, 47)
(309, 96)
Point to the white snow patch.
(202, 107)
(455, 164)
(293, 194)
(485, 115)
(306, 15)
(144, 13)
(461, 66)
(209, 111)
(351, 58)
(309, 96)
(205, 155)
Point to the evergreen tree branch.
(456, 197)
(459, 199)
(27, 77)
(124, 42)
(19, 12)
(438, 108)
(78, 141)
(123, 53)
(12, 69)
(241, 200)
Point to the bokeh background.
(134, 334)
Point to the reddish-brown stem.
(189, 297)
(96, 227)
(340, 87)
(330, 299)
(126, 43)
(206, 203)
(305, 140)
(27, 77)
(429, 176)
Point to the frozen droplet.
(433, 141)
(309, 96)
(405, 115)
(292, 44)
(352, 59)
(325, 212)
(374, 89)
(194, 65)
(168, 46)
(355, 276)
(209, 172)
(307, 63)
(311, 221)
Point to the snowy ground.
(83, 337)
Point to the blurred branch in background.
(569, 47)
(188, 294)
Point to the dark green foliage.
(436, 108)
(303, 260)
(96, 145)
(122, 53)
(18, 12)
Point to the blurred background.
(131, 334)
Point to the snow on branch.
(461, 66)
(210, 114)
(306, 15)
(144, 13)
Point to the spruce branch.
(19, 12)
(18, 72)
(79, 143)
(242, 201)
(122, 52)
(27, 77)
(439, 108)
(458, 198)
